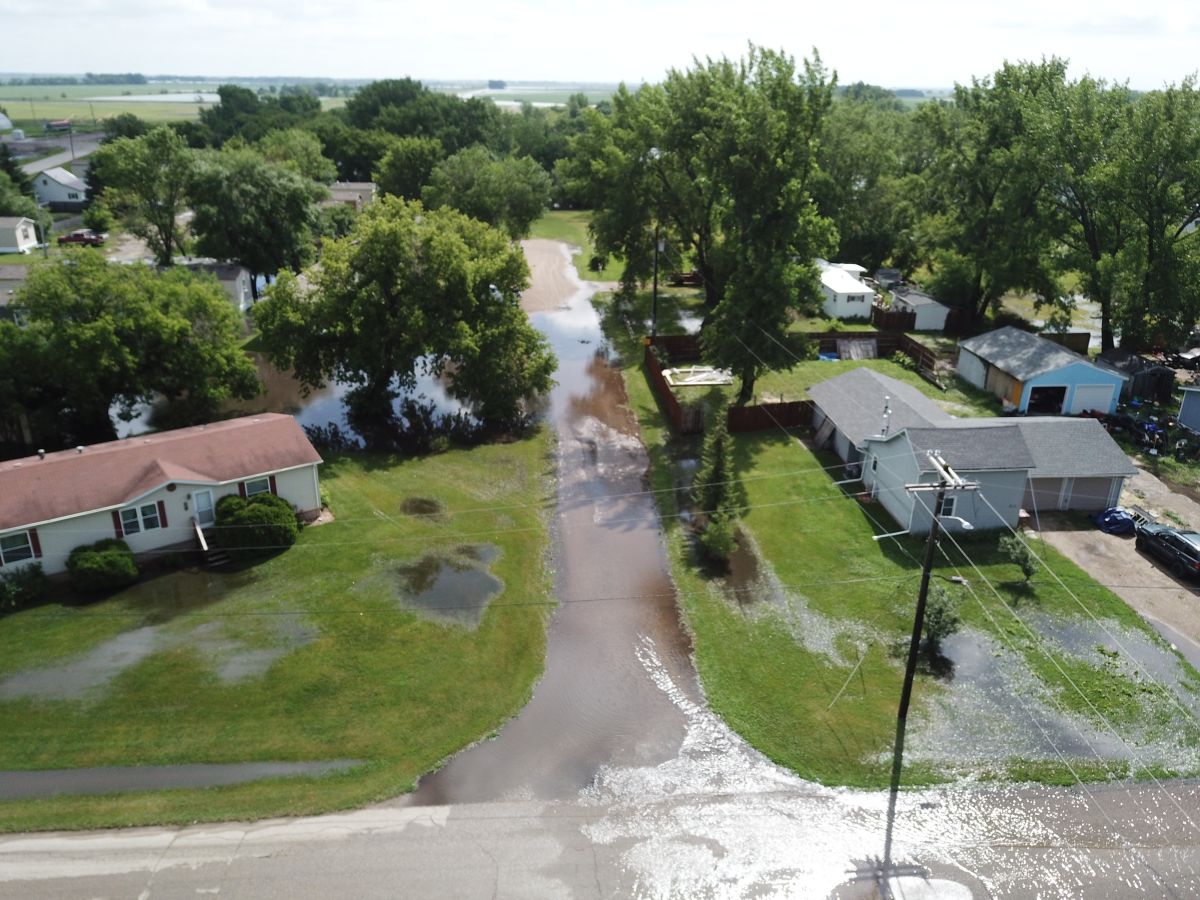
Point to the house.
(1148, 380)
(844, 296)
(234, 279)
(1037, 463)
(1034, 375)
(356, 194)
(60, 190)
(156, 491)
(931, 315)
(17, 234)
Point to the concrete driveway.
(1170, 604)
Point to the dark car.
(1180, 550)
(84, 236)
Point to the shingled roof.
(1023, 355)
(854, 401)
(109, 475)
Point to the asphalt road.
(84, 144)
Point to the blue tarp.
(1116, 520)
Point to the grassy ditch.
(357, 676)
(814, 683)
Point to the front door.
(204, 508)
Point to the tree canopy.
(507, 193)
(101, 336)
(146, 182)
(412, 290)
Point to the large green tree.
(406, 167)
(507, 193)
(300, 151)
(980, 227)
(146, 181)
(101, 337)
(410, 288)
(259, 213)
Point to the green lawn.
(832, 721)
(366, 678)
(571, 226)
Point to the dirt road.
(551, 284)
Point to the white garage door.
(1092, 396)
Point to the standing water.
(596, 705)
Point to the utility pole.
(948, 481)
(658, 246)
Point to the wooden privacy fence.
(693, 421)
(893, 319)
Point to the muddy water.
(597, 705)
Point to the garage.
(1091, 396)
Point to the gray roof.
(1050, 446)
(913, 297)
(1024, 355)
(1067, 447)
(13, 221)
(65, 178)
(972, 449)
(854, 401)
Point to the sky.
(921, 43)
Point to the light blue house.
(1037, 376)
(1189, 410)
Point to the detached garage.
(1076, 465)
(1037, 376)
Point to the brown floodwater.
(597, 705)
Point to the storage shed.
(1037, 376)
(1148, 380)
(1189, 410)
(931, 315)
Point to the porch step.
(216, 558)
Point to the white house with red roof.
(155, 491)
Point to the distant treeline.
(88, 78)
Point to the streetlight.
(659, 246)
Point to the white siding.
(1002, 490)
(931, 317)
(1092, 396)
(972, 369)
(887, 467)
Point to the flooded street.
(616, 780)
(597, 704)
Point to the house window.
(71, 195)
(946, 507)
(140, 518)
(258, 486)
(874, 463)
(15, 547)
(149, 516)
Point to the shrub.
(1018, 553)
(941, 618)
(717, 540)
(106, 565)
(903, 360)
(22, 587)
(251, 527)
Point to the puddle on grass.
(453, 587)
(423, 507)
(742, 582)
(159, 601)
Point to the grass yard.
(763, 668)
(363, 677)
(571, 225)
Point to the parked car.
(84, 236)
(1180, 550)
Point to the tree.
(101, 336)
(13, 202)
(1017, 552)
(146, 180)
(718, 160)
(507, 193)
(407, 165)
(300, 151)
(11, 166)
(356, 152)
(406, 108)
(410, 288)
(941, 618)
(98, 217)
(256, 212)
(981, 229)
(716, 490)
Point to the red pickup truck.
(84, 236)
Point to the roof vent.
(79, 449)
(41, 453)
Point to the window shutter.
(272, 480)
(35, 543)
(242, 489)
(162, 514)
(116, 513)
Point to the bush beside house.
(106, 565)
(260, 524)
(21, 588)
